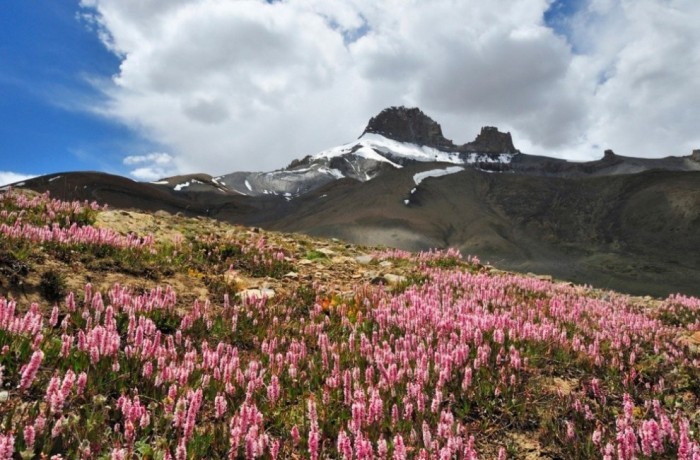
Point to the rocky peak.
(695, 156)
(412, 125)
(491, 140)
(608, 155)
(408, 125)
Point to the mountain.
(394, 138)
(619, 222)
(400, 136)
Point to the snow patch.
(332, 171)
(379, 148)
(160, 182)
(472, 158)
(247, 185)
(179, 187)
(362, 148)
(421, 176)
(409, 151)
(50, 180)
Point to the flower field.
(454, 360)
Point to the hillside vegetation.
(131, 335)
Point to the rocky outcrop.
(412, 125)
(695, 156)
(491, 140)
(409, 125)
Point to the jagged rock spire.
(412, 125)
(408, 125)
(491, 140)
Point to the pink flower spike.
(7, 446)
(29, 436)
(399, 448)
(295, 435)
(30, 370)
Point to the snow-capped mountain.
(396, 137)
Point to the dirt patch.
(528, 447)
(560, 386)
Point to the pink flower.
(193, 409)
(29, 371)
(382, 448)
(273, 390)
(295, 435)
(181, 451)
(219, 405)
(29, 436)
(344, 445)
(58, 427)
(314, 439)
(54, 316)
(399, 448)
(275, 449)
(596, 437)
(684, 450)
(118, 454)
(251, 443)
(427, 437)
(7, 446)
(40, 424)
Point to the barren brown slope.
(636, 233)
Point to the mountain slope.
(631, 232)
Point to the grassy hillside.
(133, 335)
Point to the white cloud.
(9, 177)
(154, 158)
(646, 55)
(248, 85)
(150, 167)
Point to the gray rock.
(393, 279)
(364, 259)
(326, 251)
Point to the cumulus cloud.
(647, 60)
(151, 166)
(249, 85)
(9, 177)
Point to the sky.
(154, 88)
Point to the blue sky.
(48, 59)
(252, 84)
